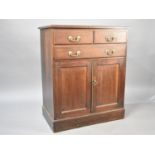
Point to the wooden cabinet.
(83, 74)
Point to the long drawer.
(89, 51)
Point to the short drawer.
(110, 36)
(89, 51)
(74, 36)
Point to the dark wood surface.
(71, 98)
(73, 90)
(109, 75)
(104, 36)
(90, 51)
(81, 27)
(47, 70)
(61, 36)
(75, 122)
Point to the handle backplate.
(110, 38)
(74, 39)
(94, 82)
(71, 54)
(110, 52)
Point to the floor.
(26, 118)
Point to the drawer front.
(110, 36)
(89, 51)
(73, 36)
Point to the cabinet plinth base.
(92, 118)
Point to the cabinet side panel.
(47, 69)
(122, 80)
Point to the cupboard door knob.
(94, 82)
(74, 39)
(70, 53)
(109, 38)
(110, 52)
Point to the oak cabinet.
(83, 74)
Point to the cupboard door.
(73, 88)
(108, 84)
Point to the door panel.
(73, 84)
(108, 91)
(107, 77)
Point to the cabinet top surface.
(81, 27)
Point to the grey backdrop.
(20, 69)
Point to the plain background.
(20, 69)
(69, 9)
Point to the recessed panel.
(107, 84)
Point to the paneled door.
(108, 84)
(73, 88)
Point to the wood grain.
(61, 36)
(82, 27)
(108, 74)
(73, 88)
(71, 98)
(90, 51)
(93, 118)
(47, 70)
(101, 36)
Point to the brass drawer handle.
(110, 52)
(70, 53)
(74, 39)
(109, 38)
